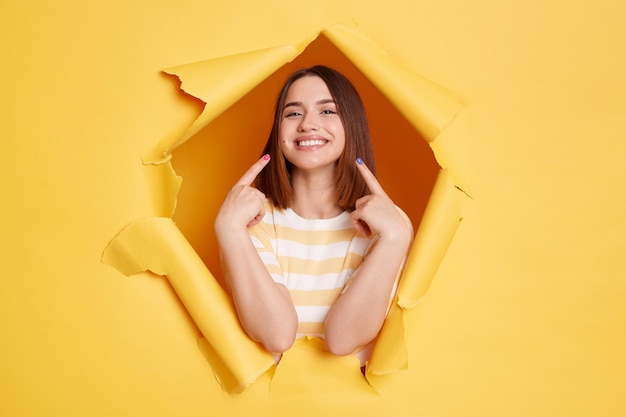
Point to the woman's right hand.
(264, 307)
(244, 205)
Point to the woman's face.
(311, 133)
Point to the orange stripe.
(318, 237)
(273, 269)
(318, 267)
(315, 298)
(310, 328)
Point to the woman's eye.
(293, 114)
(329, 111)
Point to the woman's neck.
(315, 194)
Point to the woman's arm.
(358, 314)
(264, 307)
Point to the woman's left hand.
(376, 213)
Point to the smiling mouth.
(309, 143)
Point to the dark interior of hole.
(214, 159)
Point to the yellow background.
(526, 315)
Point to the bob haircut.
(275, 180)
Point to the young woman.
(316, 247)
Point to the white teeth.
(314, 142)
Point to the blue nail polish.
(359, 161)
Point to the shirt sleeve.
(263, 236)
(372, 244)
(406, 255)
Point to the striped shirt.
(314, 258)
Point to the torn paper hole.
(406, 112)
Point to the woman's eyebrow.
(299, 103)
(293, 104)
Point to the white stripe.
(318, 282)
(289, 218)
(315, 314)
(312, 252)
(279, 279)
(255, 241)
(268, 258)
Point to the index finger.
(252, 172)
(370, 179)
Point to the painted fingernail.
(266, 156)
(359, 161)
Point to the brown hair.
(275, 179)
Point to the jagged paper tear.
(156, 244)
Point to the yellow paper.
(156, 245)
(428, 106)
(222, 81)
(525, 313)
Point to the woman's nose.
(307, 123)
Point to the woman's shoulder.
(272, 211)
(274, 215)
(269, 205)
(406, 218)
(266, 227)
